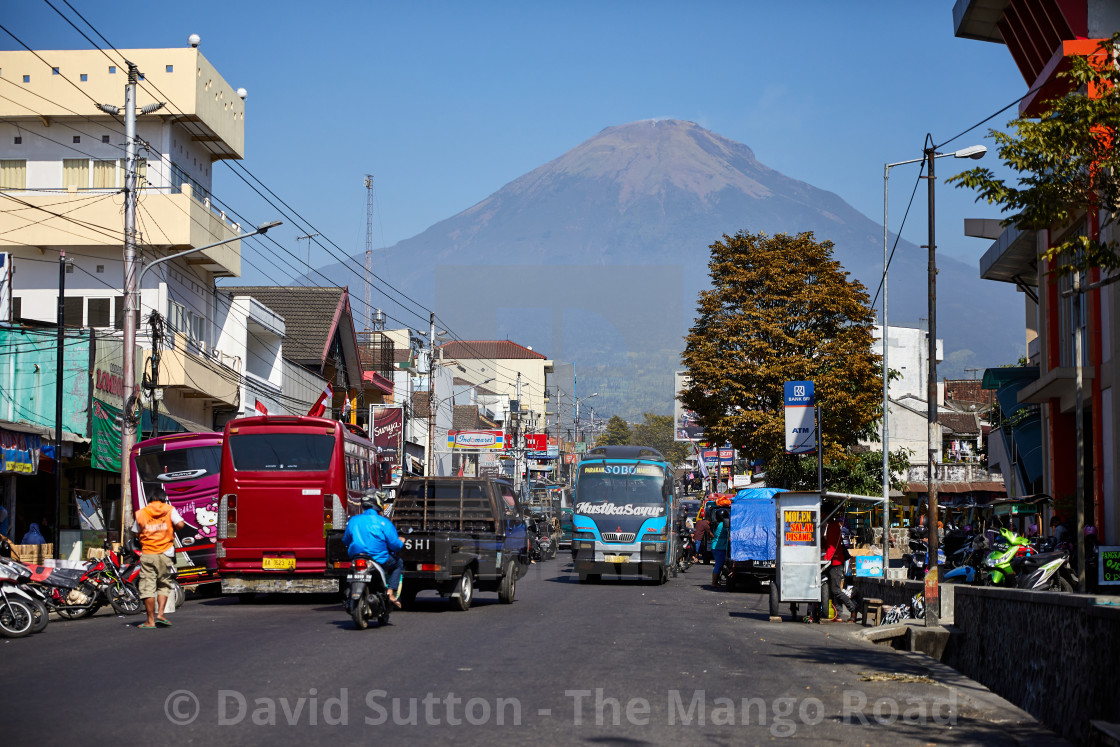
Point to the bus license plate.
(618, 558)
(278, 564)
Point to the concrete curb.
(987, 705)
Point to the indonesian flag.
(320, 405)
(259, 407)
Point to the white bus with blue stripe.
(622, 510)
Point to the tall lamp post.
(932, 589)
(128, 434)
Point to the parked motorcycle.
(968, 562)
(917, 560)
(367, 595)
(13, 578)
(998, 567)
(1044, 572)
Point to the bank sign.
(801, 433)
(490, 440)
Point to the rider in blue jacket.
(369, 533)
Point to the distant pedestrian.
(701, 533)
(33, 536)
(155, 525)
(720, 536)
(836, 553)
(1058, 530)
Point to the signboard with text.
(476, 440)
(799, 549)
(1109, 573)
(801, 432)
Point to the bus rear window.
(281, 452)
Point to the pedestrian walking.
(701, 534)
(836, 553)
(155, 525)
(720, 536)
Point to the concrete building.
(61, 179)
(1041, 37)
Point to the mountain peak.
(647, 157)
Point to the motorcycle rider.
(370, 533)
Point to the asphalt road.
(619, 662)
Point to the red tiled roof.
(488, 350)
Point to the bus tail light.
(227, 517)
(334, 516)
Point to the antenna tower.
(369, 252)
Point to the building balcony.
(170, 219)
(185, 367)
(1012, 257)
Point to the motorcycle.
(684, 549)
(19, 614)
(367, 595)
(541, 546)
(917, 560)
(1044, 572)
(998, 567)
(968, 565)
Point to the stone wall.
(1054, 655)
(894, 592)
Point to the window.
(13, 174)
(100, 269)
(17, 308)
(188, 322)
(112, 70)
(75, 173)
(118, 312)
(104, 174)
(84, 77)
(104, 138)
(72, 307)
(170, 68)
(18, 140)
(77, 138)
(54, 71)
(97, 312)
(288, 452)
(27, 79)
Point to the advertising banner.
(105, 451)
(387, 432)
(801, 432)
(20, 452)
(686, 426)
(493, 440)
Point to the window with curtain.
(75, 173)
(13, 174)
(104, 174)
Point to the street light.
(932, 589)
(128, 374)
(578, 400)
(974, 152)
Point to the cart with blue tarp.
(753, 537)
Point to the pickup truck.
(461, 534)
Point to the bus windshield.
(160, 467)
(631, 488)
(281, 452)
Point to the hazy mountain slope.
(549, 259)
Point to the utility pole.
(57, 539)
(369, 251)
(932, 587)
(517, 440)
(131, 298)
(431, 394)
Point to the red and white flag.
(259, 407)
(322, 403)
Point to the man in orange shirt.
(155, 525)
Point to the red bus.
(284, 482)
(185, 466)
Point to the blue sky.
(446, 102)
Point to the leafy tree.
(1066, 161)
(657, 431)
(858, 474)
(780, 309)
(616, 434)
